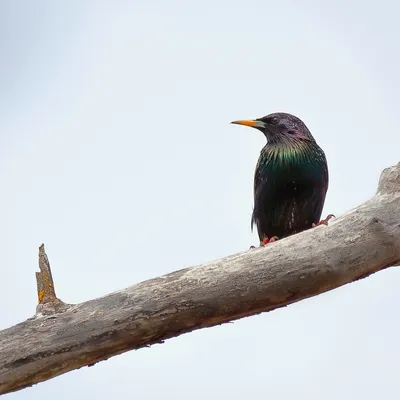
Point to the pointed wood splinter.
(47, 299)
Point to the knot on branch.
(389, 181)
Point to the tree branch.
(363, 241)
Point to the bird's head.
(279, 127)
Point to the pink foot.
(324, 221)
(266, 241)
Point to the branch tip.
(389, 181)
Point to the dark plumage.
(291, 177)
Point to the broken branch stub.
(48, 302)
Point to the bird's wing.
(260, 186)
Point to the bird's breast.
(293, 166)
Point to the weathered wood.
(364, 241)
(49, 303)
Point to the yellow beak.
(250, 122)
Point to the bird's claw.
(266, 241)
(324, 221)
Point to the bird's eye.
(274, 120)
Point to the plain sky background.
(117, 153)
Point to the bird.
(291, 178)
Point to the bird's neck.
(289, 148)
(304, 157)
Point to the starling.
(291, 178)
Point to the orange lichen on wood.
(40, 295)
(44, 279)
(48, 303)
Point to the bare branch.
(364, 241)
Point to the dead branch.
(67, 337)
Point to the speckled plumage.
(291, 177)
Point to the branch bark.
(66, 337)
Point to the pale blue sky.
(117, 153)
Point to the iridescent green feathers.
(290, 185)
(291, 177)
